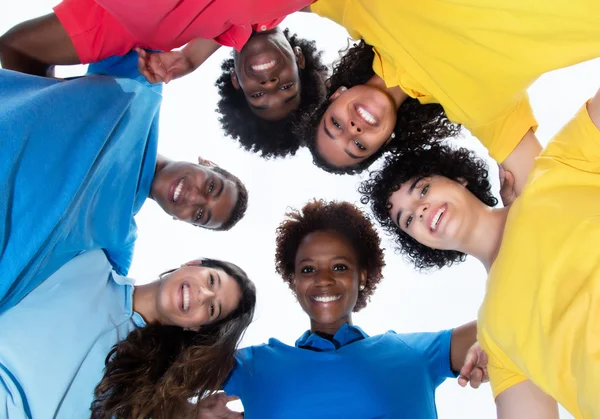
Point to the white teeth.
(436, 219)
(326, 298)
(186, 297)
(178, 190)
(263, 67)
(366, 115)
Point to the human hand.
(215, 407)
(159, 67)
(475, 368)
(507, 186)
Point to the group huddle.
(78, 159)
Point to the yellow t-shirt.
(540, 319)
(474, 57)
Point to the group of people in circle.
(79, 158)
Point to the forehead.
(230, 292)
(325, 243)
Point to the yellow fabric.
(475, 57)
(540, 319)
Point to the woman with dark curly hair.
(474, 58)
(171, 339)
(264, 87)
(330, 256)
(542, 302)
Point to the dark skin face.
(194, 193)
(267, 71)
(326, 280)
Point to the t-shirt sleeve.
(503, 373)
(577, 144)
(234, 385)
(435, 348)
(333, 10)
(502, 135)
(120, 66)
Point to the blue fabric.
(78, 158)
(54, 342)
(355, 376)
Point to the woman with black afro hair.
(329, 254)
(542, 302)
(263, 89)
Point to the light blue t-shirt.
(355, 376)
(54, 342)
(77, 162)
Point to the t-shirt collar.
(344, 336)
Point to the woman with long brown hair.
(171, 339)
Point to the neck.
(144, 301)
(395, 92)
(330, 328)
(161, 162)
(484, 243)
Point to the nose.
(269, 81)
(195, 197)
(205, 294)
(354, 127)
(422, 211)
(323, 278)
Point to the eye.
(340, 267)
(307, 270)
(212, 310)
(408, 221)
(287, 86)
(424, 190)
(211, 186)
(360, 146)
(198, 215)
(335, 123)
(211, 280)
(257, 95)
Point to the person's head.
(274, 78)
(329, 254)
(360, 121)
(202, 194)
(187, 352)
(426, 198)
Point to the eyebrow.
(410, 191)
(354, 156)
(292, 97)
(305, 260)
(265, 107)
(326, 130)
(219, 303)
(218, 194)
(261, 107)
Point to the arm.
(525, 400)
(521, 160)
(594, 109)
(463, 337)
(215, 407)
(35, 46)
(165, 66)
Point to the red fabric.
(102, 28)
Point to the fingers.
(231, 398)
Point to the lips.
(325, 298)
(184, 297)
(435, 219)
(262, 63)
(365, 115)
(176, 189)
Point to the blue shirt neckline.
(345, 335)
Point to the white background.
(406, 300)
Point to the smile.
(365, 115)
(265, 66)
(325, 298)
(185, 292)
(435, 221)
(178, 190)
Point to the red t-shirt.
(101, 28)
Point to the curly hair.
(346, 220)
(271, 138)
(438, 159)
(416, 124)
(156, 369)
(241, 205)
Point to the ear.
(300, 57)
(196, 262)
(192, 329)
(204, 162)
(362, 279)
(337, 93)
(234, 80)
(462, 181)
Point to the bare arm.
(463, 337)
(594, 109)
(521, 160)
(35, 46)
(525, 400)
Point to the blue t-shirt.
(77, 162)
(54, 342)
(355, 376)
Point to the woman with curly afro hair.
(263, 89)
(475, 59)
(330, 256)
(541, 253)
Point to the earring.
(175, 218)
(362, 287)
(393, 136)
(343, 89)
